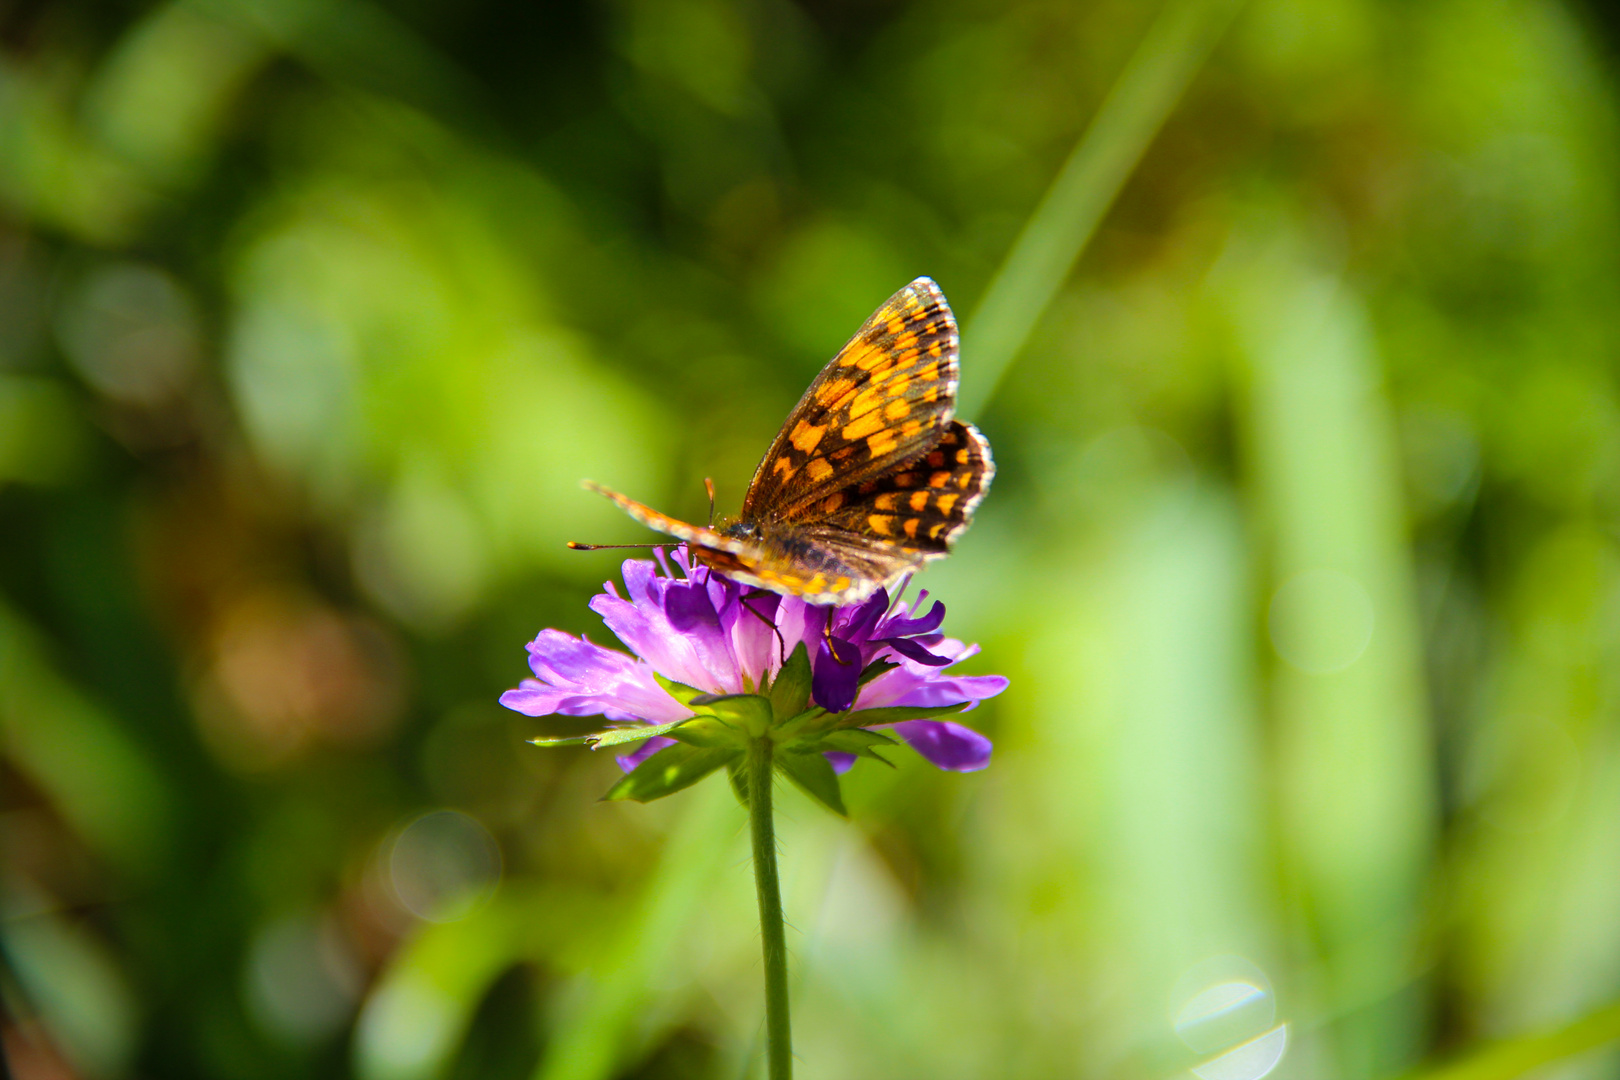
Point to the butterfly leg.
(708, 483)
(760, 615)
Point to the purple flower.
(705, 631)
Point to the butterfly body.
(870, 477)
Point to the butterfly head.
(739, 530)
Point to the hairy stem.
(778, 1034)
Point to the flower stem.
(778, 1035)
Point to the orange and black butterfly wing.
(749, 563)
(919, 508)
(885, 399)
(871, 534)
(695, 535)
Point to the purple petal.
(841, 762)
(915, 684)
(689, 609)
(798, 622)
(833, 684)
(904, 687)
(913, 650)
(682, 559)
(644, 629)
(558, 657)
(947, 745)
(752, 638)
(643, 752)
(578, 678)
(642, 585)
(692, 615)
(858, 623)
(900, 626)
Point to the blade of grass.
(1516, 1057)
(1349, 727)
(1136, 107)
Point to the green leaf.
(1527, 1053)
(791, 690)
(814, 775)
(710, 732)
(668, 771)
(746, 712)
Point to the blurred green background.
(1303, 556)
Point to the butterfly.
(871, 476)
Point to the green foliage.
(790, 691)
(670, 770)
(1296, 348)
(723, 725)
(814, 776)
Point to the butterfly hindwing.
(821, 574)
(921, 506)
(884, 399)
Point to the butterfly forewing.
(681, 530)
(884, 399)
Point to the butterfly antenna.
(708, 483)
(575, 545)
(760, 615)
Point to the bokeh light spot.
(1251, 1061)
(302, 980)
(1227, 1010)
(131, 331)
(443, 865)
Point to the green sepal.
(738, 773)
(571, 740)
(895, 714)
(709, 732)
(620, 735)
(858, 741)
(815, 777)
(790, 693)
(787, 731)
(668, 771)
(811, 729)
(679, 691)
(873, 670)
(748, 713)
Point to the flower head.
(700, 636)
